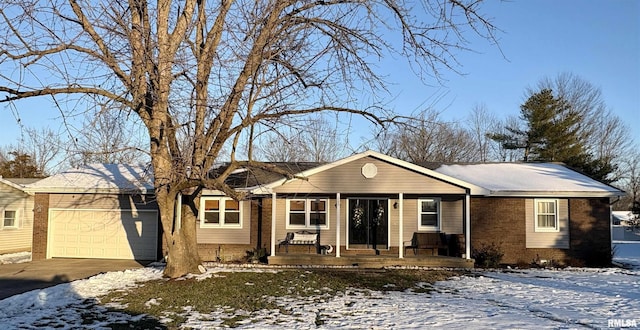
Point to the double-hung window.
(429, 214)
(220, 212)
(307, 213)
(9, 219)
(546, 215)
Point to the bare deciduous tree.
(43, 146)
(630, 180)
(429, 139)
(108, 136)
(315, 139)
(604, 135)
(210, 71)
(480, 124)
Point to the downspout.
(338, 225)
(259, 240)
(467, 225)
(401, 223)
(273, 224)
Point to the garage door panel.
(111, 234)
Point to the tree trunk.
(181, 242)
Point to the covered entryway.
(106, 234)
(368, 223)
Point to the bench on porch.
(300, 238)
(427, 241)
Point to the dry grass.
(250, 291)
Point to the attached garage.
(105, 234)
(105, 211)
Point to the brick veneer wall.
(499, 221)
(590, 231)
(40, 223)
(502, 221)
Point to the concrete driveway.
(23, 277)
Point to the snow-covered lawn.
(532, 298)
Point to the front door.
(368, 223)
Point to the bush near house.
(488, 255)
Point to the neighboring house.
(98, 211)
(370, 203)
(624, 226)
(16, 212)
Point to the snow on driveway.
(525, 299)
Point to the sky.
(598, 41)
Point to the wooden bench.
(300, 238)
(427, 241)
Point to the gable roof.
(98, 178)
(267, 188)
(529, 179)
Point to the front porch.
(370, 261)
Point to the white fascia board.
(477, 190)
(58, 190)
(15, 186)
(558, 194)
(212, 192)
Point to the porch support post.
(467, 225)
(273, 224)
(338, 225)
(401, 224)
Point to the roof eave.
(60, 190)
(15, 186)
(268, 188)
(560, 194)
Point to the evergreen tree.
(551, 133)
(22, 166)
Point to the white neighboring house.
(16, 212)
(622, 228)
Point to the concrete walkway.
(23, 277)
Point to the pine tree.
(22, 166)
(551, 133)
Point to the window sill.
(221, 226)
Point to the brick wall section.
(502, 221)
(590, 232)
(499, 221)
(266, 225)
(40, 223)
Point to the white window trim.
(538, 229)
(438, 212)
(16, 220)
(222, 224)
(307, 209)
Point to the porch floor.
(369, 261)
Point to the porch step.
(366, 261)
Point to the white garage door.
(108, 234)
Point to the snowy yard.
(532, 298)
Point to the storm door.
(368, 223)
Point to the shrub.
(488, 255)
(257, 255)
